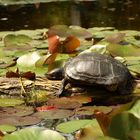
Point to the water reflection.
(122, 14)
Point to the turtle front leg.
(62, 87)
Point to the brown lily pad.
(54, 114)
(20, 121)
(64, 102)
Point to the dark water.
(122, 14)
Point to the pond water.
(122, 14)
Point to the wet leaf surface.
(16, 111)
(54, 114)
(65, 103)
(20, 121)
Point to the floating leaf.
(7, 128)
(65, 31)
(82, 99)
(123, 50)
(16, 111)
(20, 121)
(133, 63)
(54, 114)
(34, 133)
(79, 32)
(72, 126)
(89, 132)
(115, 38)
(60, 30)
(64, 102)
(12, 40)
(10, 102)
(96, 48)
(28, 60)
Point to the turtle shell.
(95, 68)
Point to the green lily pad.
(123, 50)
(74, 125)
(7, 128)
(133, 63)
(34, 133)
(10, 102)
(12, 40)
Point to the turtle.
(91, 69)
